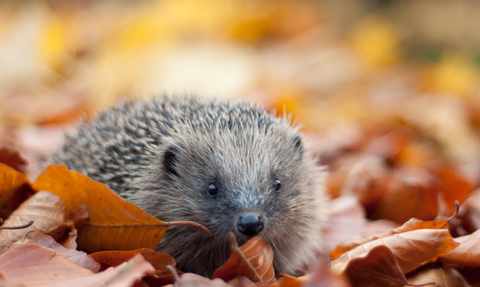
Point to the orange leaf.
(412, 249)
(253, 260)
(14, 189)
(290, 281)
(114, 223)
(454, 186)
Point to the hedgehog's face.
(259, 184)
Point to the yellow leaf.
(55, 43)
(453, 75)
(376, 41)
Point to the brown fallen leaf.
(412, 249)
(471, 208)
(321, 276)
(467, 254)
(346, 222)
(4, 282)
(124, 275)
(12, 158)
(471, 275)
(412, 192)
(391, 145)
(412, 224)
(14, 189)
(362, 175)
(377, 267)
(191, 279)
(77, 216)
(114, 223)
(253, 260)
(37, 266)
(159, 261)
(438, 277)
(78, 257)
(380, 226)
(48, 213)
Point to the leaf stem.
(17, 227)
(190, 223)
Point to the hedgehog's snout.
(250, 223)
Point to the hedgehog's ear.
(298, 145)
(169, 159)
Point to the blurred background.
(399, 79)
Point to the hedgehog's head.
(243, 174)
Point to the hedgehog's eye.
(277, 185)
(212, 189)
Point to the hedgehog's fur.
(163, 154)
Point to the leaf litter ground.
(400, 139)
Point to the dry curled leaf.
(412, 224)
(78, 257)
(159, 261)
(377, 267)
(190, 279)
(35, 265)
(47, 212)
(467, 254)
(412, 249)
(253, 260)
(438, 277)
(38, 266)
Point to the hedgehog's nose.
(249, 224)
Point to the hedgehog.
(230, 166)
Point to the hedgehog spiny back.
(232, 167)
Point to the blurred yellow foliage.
(454, 75)
(246, 21)
(8, 13)
(54, 47)
(287, 103)
(173, 20)
(376, 41)
(251, 23)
